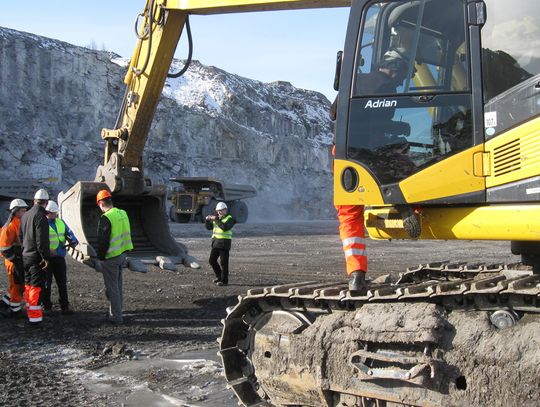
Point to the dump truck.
(465, 166)
(198, 197)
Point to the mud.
(164, 353)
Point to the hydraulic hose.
(146, 33)
(190, 53)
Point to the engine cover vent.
(507, 158)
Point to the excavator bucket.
(149, 227)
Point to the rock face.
(56, 97)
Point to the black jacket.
(228, 225)
(34, 234)
(104, 237)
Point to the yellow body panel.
(514, 155)
(519, 222)
(452, 176)
(367, 193)
(237, 6)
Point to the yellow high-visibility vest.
(120, 240)
(218, 233)
(57, 237)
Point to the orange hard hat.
(103, 194)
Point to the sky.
(297, 46)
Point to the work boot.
(357, 282)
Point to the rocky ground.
(165, 352)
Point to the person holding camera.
(221, 225)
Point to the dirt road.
(165, 353)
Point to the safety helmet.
(41, 195)
(103, 194)
(52, 207)
(220, 206)
(16, 204)
(395, 59)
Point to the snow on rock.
(56, 98)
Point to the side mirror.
(339, 59)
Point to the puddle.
(187, 379)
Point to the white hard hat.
(52, 207)
(220, 206)
(41, 194)
(17, 203)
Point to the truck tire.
(239, 211)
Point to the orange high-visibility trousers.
(33, 308)
(351, 233)
(15, 290)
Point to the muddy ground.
(165, 352)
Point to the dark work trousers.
(222, 273)
(56, 268)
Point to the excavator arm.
(158, 29)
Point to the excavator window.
(411, 98)
(510, 64)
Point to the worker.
(59, 235)
(114, 240)
(390, 74)
(221, 225)
(34, 236)
(10, 248)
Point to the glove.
(93, 262)
(98, 265)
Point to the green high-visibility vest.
(120, 240)
(218, 233)
(57, 237)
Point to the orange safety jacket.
(351, 233)
(10, 249)
(10, 246)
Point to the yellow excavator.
(438, 135)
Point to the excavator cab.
(447, 146)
